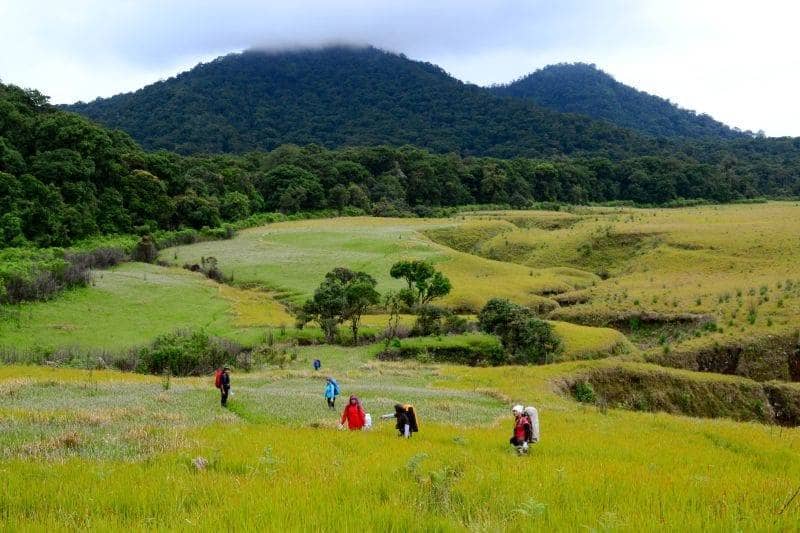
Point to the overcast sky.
(737, 60)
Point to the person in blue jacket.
(331, 392)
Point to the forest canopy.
(64, 178)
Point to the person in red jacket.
(522, 429)
(353, 414)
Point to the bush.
(584, 392)
(28, 274)
(526, 338)
(145, 251)
(429, 321)
(455, 325)
(465, 350)
(185, 353)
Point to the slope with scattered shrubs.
(648, 388)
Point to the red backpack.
(218, 378)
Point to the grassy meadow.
(630, 292)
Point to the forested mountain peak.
(583, 88)
(342, 96)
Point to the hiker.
(224, 386)
(331, 392)
(353, 414)
(523, 433)
(317, 364)
(406, 419)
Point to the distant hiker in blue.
(331, 392)
(317, 364)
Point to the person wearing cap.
(225, 386)
(522, 429)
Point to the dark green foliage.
(424, 282)
(64, 179)
(145, 250)
(433, 320)
(451, 349)
(584, 392)
(587, 90)
(526, 338)
(289, 188)
(429, 320)
(187, 354)
(341, 96)
(29, 274)
(343, 295)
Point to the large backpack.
(412, 418)
(533, 417)
(336, 390)
(218, 378)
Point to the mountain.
(343, 96)
(587, 90)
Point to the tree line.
(64, 178)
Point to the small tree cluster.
(526, 338)
(344, 295)
(424, 282)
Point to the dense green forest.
(64, 178)
(342, 96)
(587, 90)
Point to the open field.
(132, 304)
(291, 258)
(75, 445)
(710, 288)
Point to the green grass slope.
(126, 306)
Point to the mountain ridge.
(585, 89)
(342, 96)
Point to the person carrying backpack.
(331, 392)
(522, 429)
(224, 380)
(406, 419)
(353, 414)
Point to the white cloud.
(735, 60)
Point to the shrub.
(526, 338)
(472, 351)
(185, 353)
(429, 321)
(37, 274)
(454, 324)
(145, 250)
(584, 392)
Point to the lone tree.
(424, 282)
(526, 338)
(343, 295)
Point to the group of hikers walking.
(354, 417)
